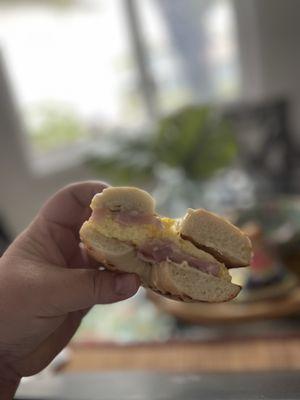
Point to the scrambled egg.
(137, 234)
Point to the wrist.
(8, 390)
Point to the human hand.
(47, 284)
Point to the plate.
(233, 311)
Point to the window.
(192, 49)
(83, 68)
(72, 69)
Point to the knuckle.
(102, 287)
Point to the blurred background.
(197, 101)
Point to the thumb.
(77, 289)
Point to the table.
(252, 354)
(126, 385)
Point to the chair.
(266, 146)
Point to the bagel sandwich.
(185, 259)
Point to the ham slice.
(98, 214)
(156, 251)
(133, 217)
(125, 217)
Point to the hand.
(47, 284)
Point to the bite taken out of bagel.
(173, 257)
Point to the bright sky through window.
(78, 56)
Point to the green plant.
(196, 140)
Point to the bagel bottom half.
(176, 281)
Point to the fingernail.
(126, 284)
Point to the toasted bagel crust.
(217, 236)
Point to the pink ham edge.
(126, 217)
(133, 217)
(156, 251)
(98, 214)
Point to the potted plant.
(177, 159)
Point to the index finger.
(70, 206)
